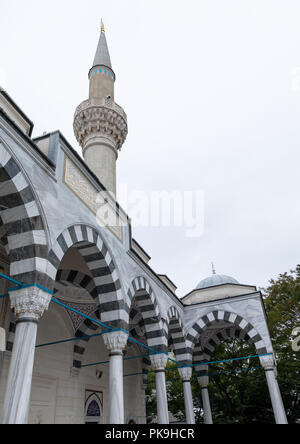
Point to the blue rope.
(195, 377)
(110, 329)
(230, 360)
(20, 285)
(124, 359)
(68, 340)
(11, 280)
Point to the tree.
(282, 300)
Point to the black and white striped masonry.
(141, 295)
(95, 253)
(66, 278)
(177, 338)
(237, 327)
(78, 279)
(22, 229)
(204, 353)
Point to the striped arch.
(136, 324)
(65, 278)
(141, 295)
(102, 267)
(176, 337)
(235, 323)
(222, 336)
(21, 225)
(146, 367)
(146, 363)
(78, 279)
(204, 352)
(87, 328)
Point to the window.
(93, 407)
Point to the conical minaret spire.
(100, 125)
(102, 86)
(102, 57)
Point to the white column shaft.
(188, 401)
(161, 394)
(18, 390)
(276, 399)
(206, 406)
(116, 390)
(1, 363)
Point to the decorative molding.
(267, 362)
(86, 309)
(115, 341)
(185, 373)
(89, 196)
(100, 117)
(159, 362)
(30, 302)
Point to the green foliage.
(282, 300)
(240, 396)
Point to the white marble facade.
(58, 396)
(59, 238)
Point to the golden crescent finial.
(102, 26)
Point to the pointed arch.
(65, 278)
(93, 409)
(22, 227)
(176, 336)
(101, 264)
(141, 292)
(234, 321)
(203, 352)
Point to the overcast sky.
(212, 93)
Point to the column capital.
(203, 381)
(30, 302)
(203, 378)
(115, 341)
(267, 362)
(159, 361)
(185, 373)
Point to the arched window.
(93, 408)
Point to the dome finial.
(213, 269)
(102, 26)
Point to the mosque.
(83, 316)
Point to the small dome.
(216, 279)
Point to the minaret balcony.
(100, 117)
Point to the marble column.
(1, 364)
(116, 343)
(29, 305)
(268, 364)
(2, 348)
(204, 381)
(186, 375)
(159, 363)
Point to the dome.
(216, 279)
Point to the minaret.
(100, 125)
